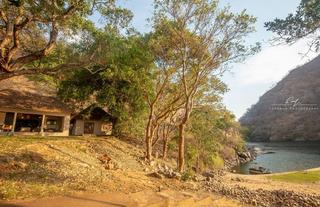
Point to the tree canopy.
(211, 129)
(118, 82)
(30, 30)
(304, 23)
(200, 38)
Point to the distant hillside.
(290, 110)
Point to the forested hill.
(290, 110)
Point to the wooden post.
(42, 125)
(14, 122)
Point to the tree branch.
(44, 71)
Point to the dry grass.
(32, 167)
(36, 167)
(299, 177)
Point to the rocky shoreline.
(241, 157)
(247, 155)
(262, 197)
(219, 182)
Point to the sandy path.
(88, 200)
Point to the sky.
(249, 80)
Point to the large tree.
(165, 97)
(201, 38)
(117, 79)
(304, 23)
(30, 29)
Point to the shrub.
(217, 162)
(188, 175)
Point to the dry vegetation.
(37, 167)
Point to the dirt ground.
(112, 172)
(33, 167)
(92, 171)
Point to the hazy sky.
(249, 80)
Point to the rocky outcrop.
(240, 157)
(291, 110)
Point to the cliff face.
(290, 110)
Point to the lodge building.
(27, 108)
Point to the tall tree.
(165, 97)
(304, 23)
(30, 29)
(202, 38)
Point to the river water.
(284, 156)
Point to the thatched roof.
(22, 94)
(94, 112)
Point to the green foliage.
(132, 126)
(214, 137)
(30, 30)
(118, 82)
(187, 175)
(305, 22)
(245, 132)
(197, 39)
(172, 145)
(192, 156)
(216, 161)
(298, 177)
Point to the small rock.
(160, 188)
(166, 168)
(104, 158)
(147, 169)
(209, 174)
(21, 165)
(156, 175)
(152, 163)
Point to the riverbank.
(306, 176)
(260, 190)
(267, 182)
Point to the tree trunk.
(181, 160)
(148, 148)
(198, 164)
(149, 136)
(182, 127)
(115, 131)
(148, 140)
(165, 147)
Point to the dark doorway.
(88, 127)
(28, 123)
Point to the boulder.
(108, 163)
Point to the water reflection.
(284, 156)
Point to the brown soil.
(111, 172)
